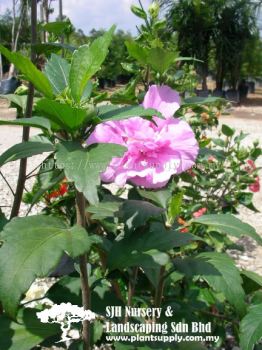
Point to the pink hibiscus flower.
(154, 152)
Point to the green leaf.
(137, 51)
(161, 59)
(29, 70)
(131, 249)
(251, 328)
(107, 113)
(57, 72)
(191, 346)
(159, 197)
(87, 91)
(139, 12)
(86, 61)
(67, 117)
(17, 100)
(48, 177)
(126, 95)
(57, 28)
(49, 48)
(36, 245)
(34, 122)
(201, 100)
(251, 281)
(104, 209)
(68, 290)
(26, 334)
(178, 59)
(84, 165)
(135, 213)
(174, 206)
(226, 130)
(134, 258)
(218, 270)
(24, 150)
(229, 224)
(3, 220)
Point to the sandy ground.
(247, 118)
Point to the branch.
(81, 220)
(28, 113)
(8, 184)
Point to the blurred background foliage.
(223, 34)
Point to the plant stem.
(28, 113)
(81, 220)
(8, 184)
(160, 287)
(131, 288)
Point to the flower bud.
(138, 12)
(154, 9)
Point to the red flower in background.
(251, 166)
(255, 187)
(182, 222)
(63, 188)
(199, 212)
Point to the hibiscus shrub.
(139, 203)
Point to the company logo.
(65, 314)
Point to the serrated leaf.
(137, 51)
(135, 258)
(135, 213)
(218, 270)
(86, 61)
(251, 328)
(26, 334)
(24, 150)
(36, 245)
(131, 249)
(29, 70)
(67, 117)
(57, 72)
(84, 165)
(68, 290)
(229, 224)
(104, 209)
(161, 59)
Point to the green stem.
(81, 220)
(160, 287)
